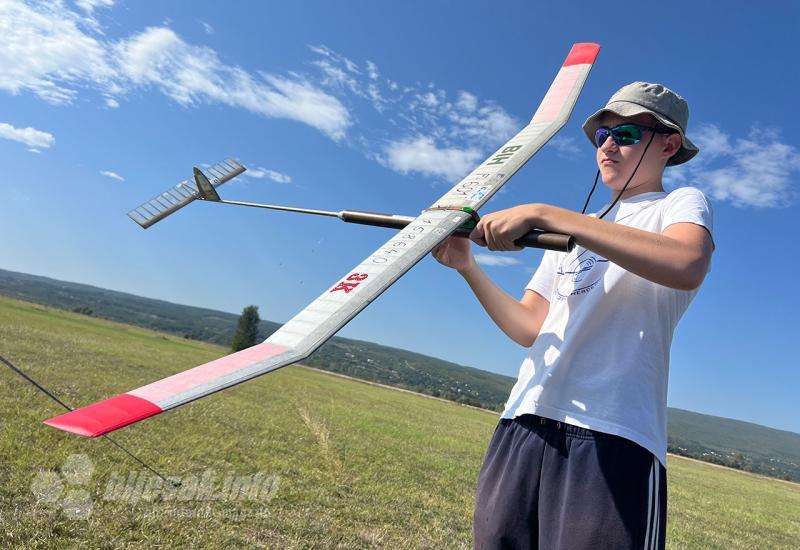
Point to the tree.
(247, 331)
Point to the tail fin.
(204, 187)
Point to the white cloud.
(421, 155)
(336, 58)
(44, 50)
(495, 260)
(297, 99)
(335, 76)
(34, 150)
(467, 102)
(55, 52)
(258, 172)
(455, 122)
(343, 74)
(89, 5)
(429, 99)
(756, 171)
(207, 27)
(372, 70)
(29, 136)
(195, 74)
(565, 146)
(489, 124)
(675, 176)
(712, 141)
(422, 128)
(375, 95)
(112, 175)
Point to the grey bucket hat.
(637, 98)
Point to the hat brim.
(630, 109)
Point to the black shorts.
(546, 484)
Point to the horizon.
(373, 343)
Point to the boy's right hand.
(455, 252)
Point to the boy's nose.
(608, 144)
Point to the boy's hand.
(499, 230)
(455, 252)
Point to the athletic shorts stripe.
(657, 501)
(650, 513)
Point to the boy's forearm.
(654, 256)
(513, 318)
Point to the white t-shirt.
(601, 360)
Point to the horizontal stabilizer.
(172, 200)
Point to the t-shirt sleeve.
(544, 278)
(688, 204)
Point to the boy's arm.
(520, 320)
(678, 258)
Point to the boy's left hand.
(499, 230)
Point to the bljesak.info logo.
(73, 491)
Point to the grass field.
(344, 464)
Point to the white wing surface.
(321, 319)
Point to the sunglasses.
(624, 134)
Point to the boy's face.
(616, 163)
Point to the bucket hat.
(637, 98)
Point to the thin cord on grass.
(50, 394)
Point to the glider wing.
(321, 319)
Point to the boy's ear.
(672, 144)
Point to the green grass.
(715, 507)
(357, 465)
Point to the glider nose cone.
(105, 416)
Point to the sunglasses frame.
(612, 133)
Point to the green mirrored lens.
(627, 134)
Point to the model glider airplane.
(321, 319)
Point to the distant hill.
(364, 360)
(721, 440)
(734, 443)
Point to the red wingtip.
(105, 416)
(582, 53)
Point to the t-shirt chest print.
(580, 274)
(582, 270)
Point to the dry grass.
(355, 465)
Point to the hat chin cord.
(624, 187)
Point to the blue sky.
(104, 104)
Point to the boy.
(578, 458)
